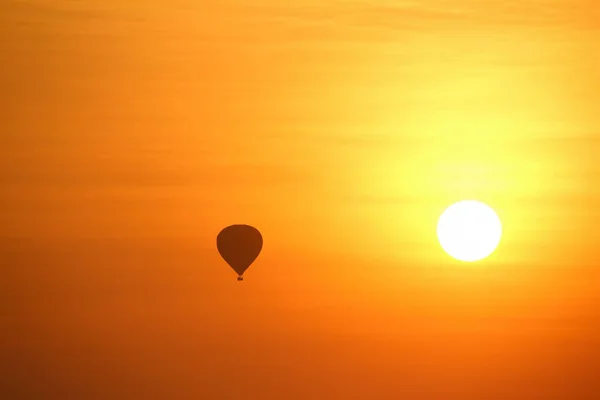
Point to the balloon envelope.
(239, 245)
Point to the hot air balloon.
(239, 245)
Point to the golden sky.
(132, 132)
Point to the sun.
(469, 230)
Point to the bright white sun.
(469, 230)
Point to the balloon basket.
(240, 279)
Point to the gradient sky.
(132, 132)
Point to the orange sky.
(131, 134)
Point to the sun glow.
(469, 230)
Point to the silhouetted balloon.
(239, 245)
